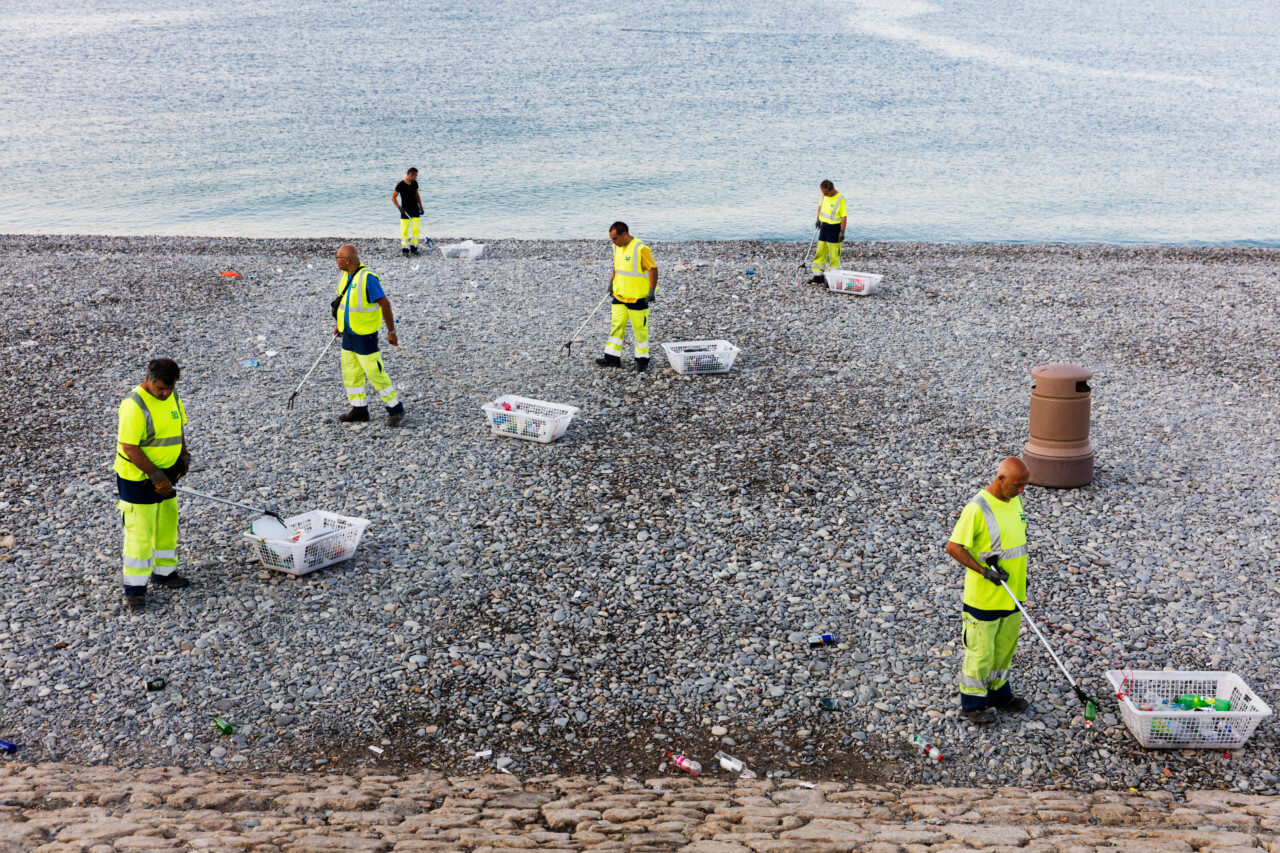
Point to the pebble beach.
(646, 584)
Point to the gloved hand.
(164, 488)
(817, 224)
(995, 574)
(179, 469)
(653, 295)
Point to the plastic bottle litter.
(249, 362)
(155, 684)
(1090, 713)
(924, 746)
(827, 703)
(1192, 702)
(735, 765)
(819, 640)
(8, 747)
(223, 726)
(685, 763)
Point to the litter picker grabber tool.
(260, 510)
(809, 254)
(574, 339)
(1090, 704)
(294, 395)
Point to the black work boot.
(413, 250)
(979, 716)
(1015, 705)
(172, 581)
(135, 603)
(818, 279)
(405, 251)
(395, 417)
(355, 415)
(642, 364)
(607, 360)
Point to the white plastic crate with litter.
(688, 357)
(467, 250)
(857, 283)
(318, 539)
(1156, 726)
(532, 420)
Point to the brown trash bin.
(1058, 454)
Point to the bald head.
(1011, 479)
(348, 258)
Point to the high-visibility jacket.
(365, 318)
(988, 529)
(630, 281)
(158, 431)
(831, 209)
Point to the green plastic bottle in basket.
(1190, 702)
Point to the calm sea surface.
(957, 120)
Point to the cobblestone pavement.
(58, 807)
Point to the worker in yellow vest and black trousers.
(832, 216)
(151, 455)
(990, 540)
(634, 286)
(360, 310)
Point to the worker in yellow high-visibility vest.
(634, 286)
(832, 216)
(362, 308)
(151, 454)
(990, 540)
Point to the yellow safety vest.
(829, 209)
(162, 442)
(1006, 541)
(365, 318)
(630, 282)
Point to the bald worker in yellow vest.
(359, 312)
(151, 454)
(990, 541)
(634, 286)
(832, 216)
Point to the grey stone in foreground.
(64, 808)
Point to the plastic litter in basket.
(532, 420)
(1148, 710)
(467, 250)
(312, 541)
(857, 283)
(686, 357)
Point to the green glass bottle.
(1190, 701)
(1090, 713)
(223, 726)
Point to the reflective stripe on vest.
(150, 439)
(993, 531)
(356, 308)
(630, 282)
(829, 207)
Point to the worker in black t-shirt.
(406, 199)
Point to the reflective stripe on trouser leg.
(978, 638)
(820, 258)
(164, 553)
(353, 378)
(371, 366)
(139, 536)
(1006, 642)
(640, 330)
(417, 230)
(828, 256)
(617, 330)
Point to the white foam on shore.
(887, 19)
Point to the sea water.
(952, 120)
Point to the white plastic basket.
(467, 250)
(532, 420)
(338, 537)
(857, 283)
(688, 357)
(1158, 725)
